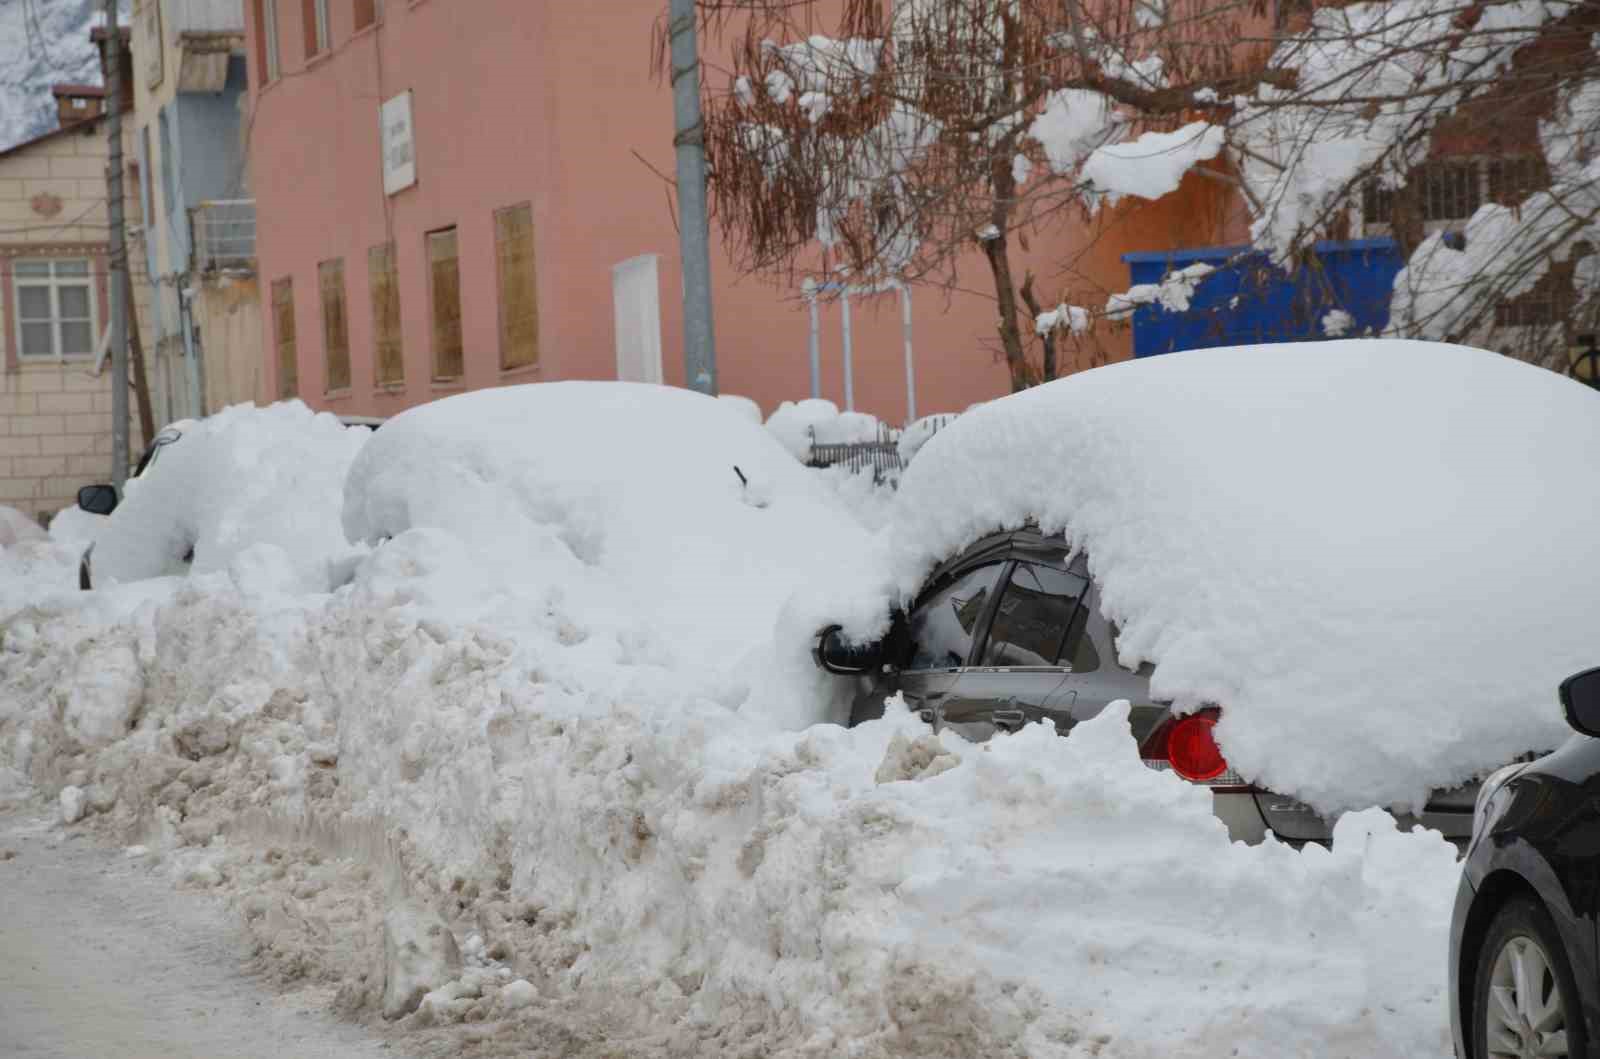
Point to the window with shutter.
(335, 325)
(444, 284)
(519, 305)
(388, 358)
(314, 14)
(283, 325)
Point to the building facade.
(454, 196)
(204, 338)
(55, 389)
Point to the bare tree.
(921, 131)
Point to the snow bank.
(1318, 537)
(667, 528)
(243, 477)
(501, 767)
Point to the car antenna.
(742, 479)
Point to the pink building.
(502, 227)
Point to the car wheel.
(1525, 1001)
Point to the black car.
(1010, 632)
(1523, 961)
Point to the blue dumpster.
(1248, 301)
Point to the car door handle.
(1008, 720)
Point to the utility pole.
(118, 255)
(699, 341)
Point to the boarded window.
(314, 14)
(283, 326)
(444, 285)
(388, 357)
(366, 13)
(335, 324)
(519, 303)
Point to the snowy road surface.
(99, 959)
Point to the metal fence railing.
(881, 456)
(224, 233)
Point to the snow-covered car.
(1011, 632)
(248, 438)
(1326, 575)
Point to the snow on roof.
(1376, 555)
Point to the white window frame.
(53, 283)
(321, 7)
(269, 23)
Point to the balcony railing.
(206, 16)
(224, 234)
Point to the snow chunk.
(1337, 322)
(1152, 165)
(15, 527)
(1072, 123)
(743, 405)
(1173, 293)
(1308, 576)
(518, 994)
(72, 804)
(1071, 318)
(419, 955)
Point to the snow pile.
(77, 527)
(913, 437)
(1151, 165)
(243, 477)
(514, 769)
(1309, 576)
(798, 424)
(17, 528)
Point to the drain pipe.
(911, 371)
(808, 287)
(849, 363)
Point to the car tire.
(1522, 943)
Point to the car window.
(1035, 616)
(943, 624)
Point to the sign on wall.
(399, 144)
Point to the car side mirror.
(98, 499)
(1580, 698)
(834, 654)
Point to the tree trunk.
(998, 251)
(1048, 339)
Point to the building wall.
(194, 154)
(554, 104)
(55, 415)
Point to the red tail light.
(1185, 745)
(1192, 751)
